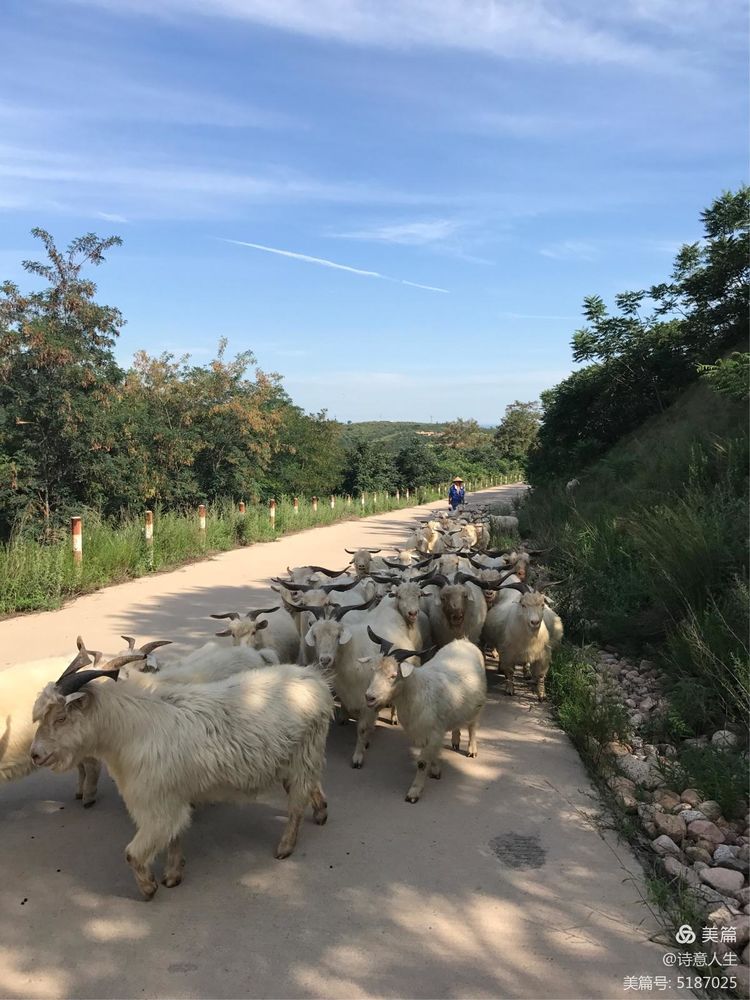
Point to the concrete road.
(498, 883)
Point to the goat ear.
(81, 697)
(226, 631)
(406, 669)
(309, 640)
(344, 637)
(261, 625)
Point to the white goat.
(264, 628)
(457, 611)
(19, 686)
(447, 694)
(210, 742)
(524, 631)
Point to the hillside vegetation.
(651, 547)
(394, 434)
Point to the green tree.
(58, 377)
(643, 355)
(311, 457)
(368, 467)
(416, 465)
(463, 434)
(517, 433)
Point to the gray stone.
(740, 976)
(735, 865)
(723, 739)
(697, 854)
(692, 797)
(725, 853)
(639, 771)
(727, 882)
(665, 845)
(676, 869)
(667, 799)
(690, 815)
(673, 826)
(710, 809)
(703, 829)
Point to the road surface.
(498, 883)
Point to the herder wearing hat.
(456, 493)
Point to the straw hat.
(458, 479)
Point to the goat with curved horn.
(149, 647)
(82, 659)
(329, 587)
(343, 609)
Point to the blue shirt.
(456, 495)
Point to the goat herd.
(233, 719)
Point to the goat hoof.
(150, 892)
(170, 881)
(89, 803)
(412, 798)
(79, 795)
(357, 764)
(472, 754)
(455, 746)
(437, 776)
(321, 819)
(283, 852)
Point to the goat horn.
(119, 661)
(234, 615)
(149, 647)
(82, 659)
(252, 615)
(342, 609)
(129, 640)
(351, 552)
(74, 682)
(327, 572)
(385, 644)
(403, 654)
(328, 587)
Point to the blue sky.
(476, 167)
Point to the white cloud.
(330, 263)
(417, 233)
(571, 32)
(110, 217)
(67, 182)
(570, 250)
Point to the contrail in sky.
(330, 263)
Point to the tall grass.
(36, 576)
(652, 549)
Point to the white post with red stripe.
(76, 531)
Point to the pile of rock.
(706, 851)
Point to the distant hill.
(392, 433)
